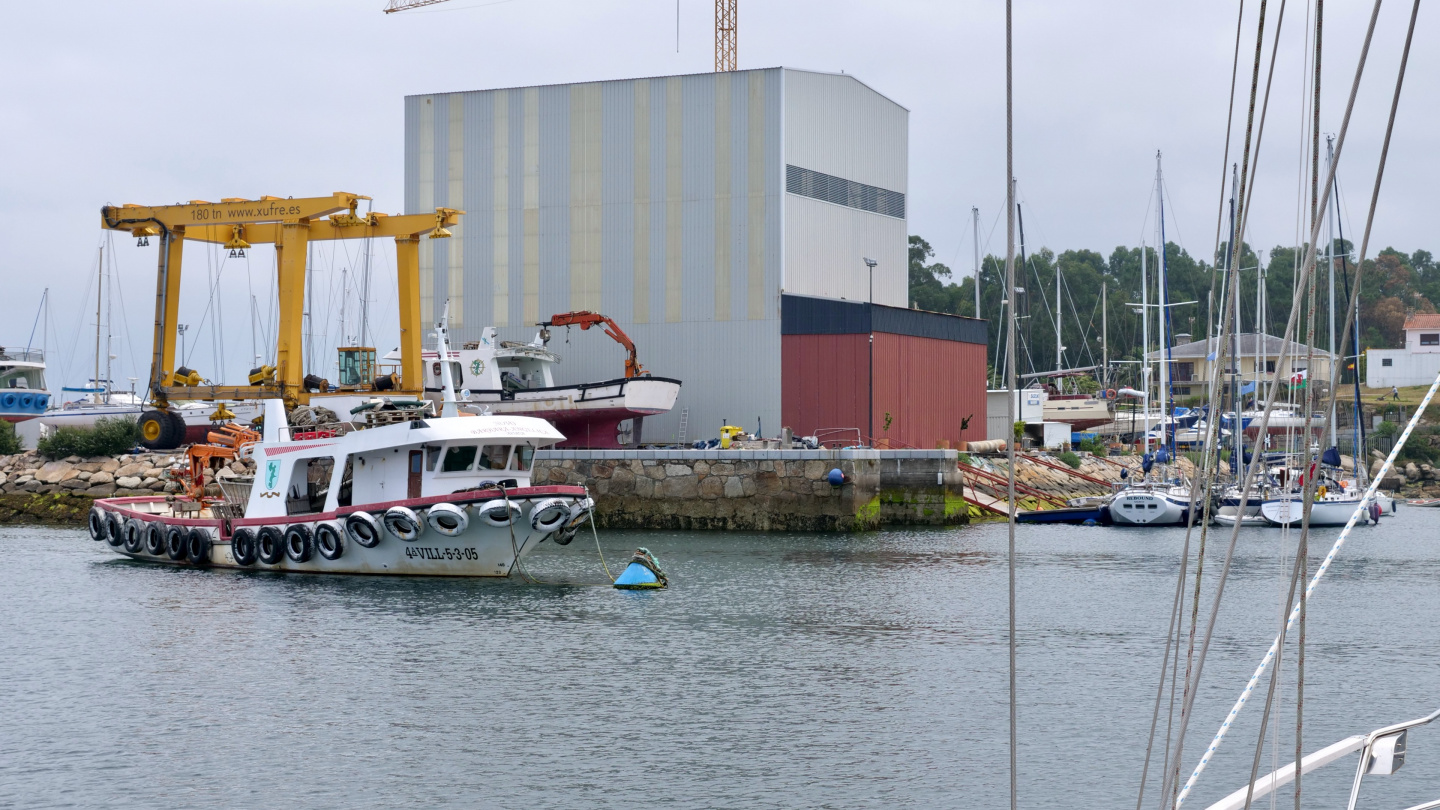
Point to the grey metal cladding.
(440, 248)
(838, 190)
(554, 199)
(477, 194)
(617, 198)
(697, 138)
(804, 315)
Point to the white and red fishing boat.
(421, 495)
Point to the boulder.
(128, 469)
(109, 465)
(102, 491)
(128, 482)
(734, 488)
(54, 472)
(101, 478)
(1412, 472)
(74, 483)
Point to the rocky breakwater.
(1047, 474)
(36, 490)
(761, 490)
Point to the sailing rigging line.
(1285, 346)
(1229, 120)
(1011, 393)
(1192, 667)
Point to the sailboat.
(1165, 499)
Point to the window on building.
(1387, 362)
(1430, 339)
(1269, 366)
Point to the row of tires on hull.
(300, 542)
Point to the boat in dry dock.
(405, 492)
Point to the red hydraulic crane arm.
(585, 320)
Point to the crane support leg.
(407, 261)
(290, 343)
(167, 312)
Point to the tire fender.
(270, 545)
(155, 539)
(447, 519)
(402, 522)
(330, 539)
(299, 543)
(134, 536)
(498, 513)
(176, 543)
(363, 528)
(197, 546)
(96, 521)
(243, 547)
(114, 530)
(549, 514)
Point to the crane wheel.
(158, 430)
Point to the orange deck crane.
(585, 320)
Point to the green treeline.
(1395, 284)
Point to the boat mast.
(975, 217)
(1104, 337)
(99, 300)
(1237, 379)
(1059, 321)
(1330, 260)
(1163, 312)
(1145, 342)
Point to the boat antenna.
(448, 408)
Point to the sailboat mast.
(1104, 337)
(975, 224)
(1145, 342)
(99, 299)
(109, 325)
(1330, 260)
(1163, 313)
(1059, 322)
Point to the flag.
(1299, 377)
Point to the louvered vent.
(832, 189)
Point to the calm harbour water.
(777, 671)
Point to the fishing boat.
(404, 493)
(22, 384)
(513, 377)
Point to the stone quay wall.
(762, 490)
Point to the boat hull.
(1140, 507)
(1289, 512)
(589, 415)
(482, 550)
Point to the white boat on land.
(23, 395)
(509, 377)
(423, 496)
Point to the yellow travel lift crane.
(290, 224)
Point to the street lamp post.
(870, 322)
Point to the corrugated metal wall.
(837, 125)
(929, 387)
(658, 202)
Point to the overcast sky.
(160, 101)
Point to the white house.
(1416, 364)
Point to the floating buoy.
(643, 573)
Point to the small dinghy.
(643, 573)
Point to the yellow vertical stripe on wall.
(674, 190)
(722, 196)
(755, 205)
(642, 201)
(585, 197)
(427, 203)
(531, 214)
(500, 202)
(456, 198)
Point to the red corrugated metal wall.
(927, 385)
(823, 382)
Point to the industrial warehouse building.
(723, 220)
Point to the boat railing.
(22, 355)
(839, 437)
